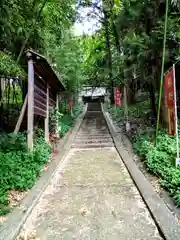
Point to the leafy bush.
(63, 108)
(9, 67)
(138, 110)
(67, 120)
(160, 161)
(77, 109)
(55, 117)
(64, 126)
(117, 114)
(19, 168)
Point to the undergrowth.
(67, 120)
(64, 117)
(138, 110)
(159, 160)
(19, 168)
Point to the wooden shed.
(44, 88)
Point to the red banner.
(118, 97)
(70, 105)
(169, 91)
(70, 102)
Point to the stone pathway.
(91, 197)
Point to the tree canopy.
(44, 26)
(132, 31)
(127, 45)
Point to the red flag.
(169, 91)
(118, 97)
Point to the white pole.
(126, 109)
(176, 118)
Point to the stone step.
(101, 137)
(92, 145)
(87, 141)
(91, 137)
(95, 110)
(93, 129)
(94, 132)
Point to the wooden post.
(57, 120)
(46, 123)
(20, 119)
(30, 124)
(2, 87)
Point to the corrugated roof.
(94, 92)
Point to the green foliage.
(117, 114)
(66, 123)
(77, 110)
(19, 168)
(136, 31)
(67, 120)
(12, 142)
(9, 67)
(68, 56)
(142, 27)
(55, 117)
(59, 43)
(160, 161)
(48, 33)
(94, 65)
(139, 110)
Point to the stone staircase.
(93, 132)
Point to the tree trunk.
(2, 88)
(153, 103)
(1, 109)
(131, 92)
(116, 37)
(109, 56)
(164, 110)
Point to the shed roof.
(93, 91)
(44, 69)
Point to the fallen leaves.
(24, 235)
(15, 197)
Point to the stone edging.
(12, 226)
(161, 214)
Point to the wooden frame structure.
(43, 92)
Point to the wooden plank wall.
(40, 97)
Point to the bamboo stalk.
(162, 70)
